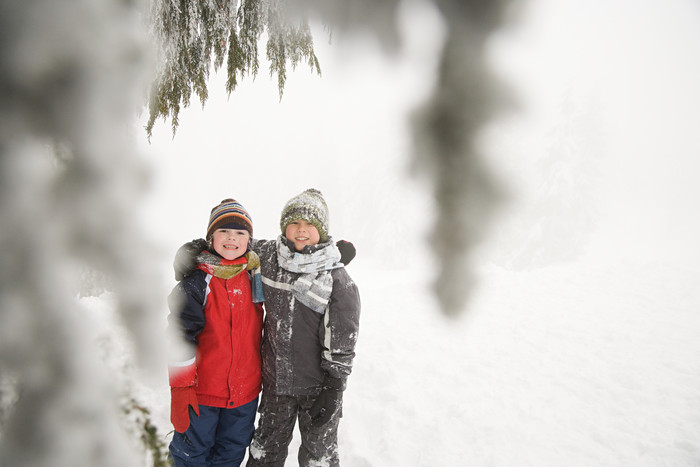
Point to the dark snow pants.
(217, 437)
(278, 415)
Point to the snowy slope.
(581, 364)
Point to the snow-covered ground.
(583, 364)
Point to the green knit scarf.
(211, 264)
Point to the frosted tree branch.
(72, 78)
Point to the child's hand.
(328, 401)
(180, 401)
(347, 251)
(186, 258)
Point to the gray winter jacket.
(300, 345)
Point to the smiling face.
(302, 233)
(230, 243)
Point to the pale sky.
(636, 62)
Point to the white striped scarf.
(314, 286)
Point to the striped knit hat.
(310, 207)
(229, 214)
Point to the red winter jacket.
(219, 317)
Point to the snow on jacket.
(300, 345)
(218, 316)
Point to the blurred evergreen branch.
(193, 35)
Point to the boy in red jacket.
(217, 312)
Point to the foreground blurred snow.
(69, 182)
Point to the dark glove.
(328, 401)
(347, 251)
(180, 401)
(186, 258)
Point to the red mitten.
(180, 401)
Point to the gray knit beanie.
(310, 207)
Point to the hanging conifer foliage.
(194, 34)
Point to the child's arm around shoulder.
(186, 258)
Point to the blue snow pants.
(217, 437)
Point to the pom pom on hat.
(231, 214)
(310, 207)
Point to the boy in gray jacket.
(311, 327)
